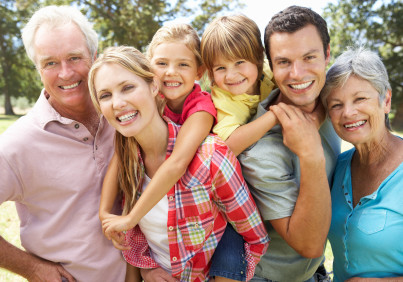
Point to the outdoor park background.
(376, 23)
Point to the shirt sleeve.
(272, 173)
(139, 254)
(199, 102)
(234, 199)
(10, 185)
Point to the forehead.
(174, 50)
(57, 42)
(289, 45)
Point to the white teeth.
(301, 86)
(356, 124)
(172, 84)
(127, 117)
(70, 86)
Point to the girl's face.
(355, 111)
(126, 100)
(236, 76)
(176, 67)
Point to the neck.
(87, 115)
(377, 150)
(153, 145)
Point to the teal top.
(366, 239)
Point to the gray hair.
(361, 63)
(56, 16)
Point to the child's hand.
(116, 224)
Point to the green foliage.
(379, 25)
(118, 22)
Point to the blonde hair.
(130, 168)
(174, 33)
(232, 37)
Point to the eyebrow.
(119, 84)
(305, 54)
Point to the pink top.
(196, 101)
(53, 168)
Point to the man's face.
(299, 66)
(63, 61)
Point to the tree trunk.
(397, 123)
(7, 104)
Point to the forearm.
(162, 181)
(310, 221)
(109, 188)
(16, 260)
(247, 134)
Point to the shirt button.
(77, 126)
(196, 224)
(85, 139)
(174, 259)
(96, 147)
(170, 228)
(171, 198)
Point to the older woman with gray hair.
(367, 190)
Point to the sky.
(261, 11)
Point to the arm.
(192, 133)
(247, 134)
(28, 266)
(109, 189)
(132, 273)
(306, 229)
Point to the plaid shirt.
(211, 193)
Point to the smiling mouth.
(66, 87)
(236, 83)
(355, 124)
(172, 84)
(127, 117)
(301, 85)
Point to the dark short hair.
(293, 19)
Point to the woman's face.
(356, 113)
(126, 100)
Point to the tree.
(378, 25)
(118, 22)
(17, 75)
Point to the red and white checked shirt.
(211, 193)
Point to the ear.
(200, 72)
(95, 56)
(155, 86)
(387, 101)
(327, 54)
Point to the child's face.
(236, 76)
(176, 67)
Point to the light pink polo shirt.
(53, 168)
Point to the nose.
(349, 110)
(230, 74)
(66, 71)
(297, 70)
(118, 102)
(171, 70)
